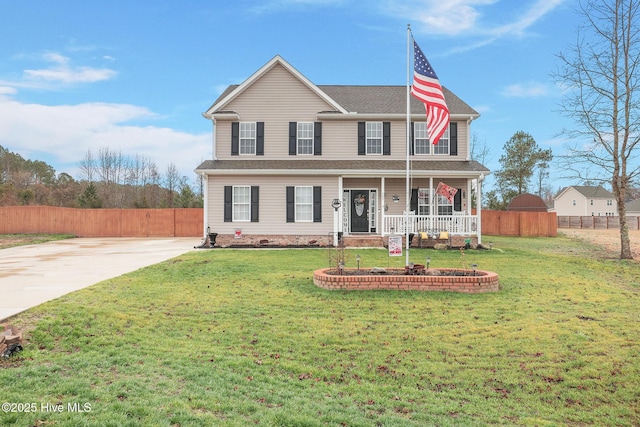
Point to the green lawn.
(236, 338)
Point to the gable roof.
(589, 191)
(235, 90)
(350, 98)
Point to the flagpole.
(408, 188)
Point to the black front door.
(359, 211)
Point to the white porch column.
(383, 203)
(431, 197)
(205, 203)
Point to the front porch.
(377, 207)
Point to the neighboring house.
(633, 208)
(294, 162)
(584, 200)
(527, 203)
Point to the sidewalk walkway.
(33, 274)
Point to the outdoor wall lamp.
(335, 204)
(395, 198)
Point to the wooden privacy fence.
(523, 224)
(101, 222)
(189, 222)
(597, 222)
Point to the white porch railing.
(453, 224)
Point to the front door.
(359, 202)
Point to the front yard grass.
(236, 338)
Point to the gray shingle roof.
(343, 165)
(593, 192)
(379, 99)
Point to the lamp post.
(358, 261)
(428, 261)
(335, 204)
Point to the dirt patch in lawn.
(608, 239)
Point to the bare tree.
(88, 166)
(171, 182)
(600, 75)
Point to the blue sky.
(135, 76)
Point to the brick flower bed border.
(483, 281)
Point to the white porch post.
(205, 203)
(431, 203)
(382, 215)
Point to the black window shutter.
(453, 139)
(412, 140)
(362, 148)
(293, 138)
(235, 138)
(260, 138)
(228, 203)
(291, 204)
(255, 203)
(317, 204)
(386, 138)
(317, 139)
(414, 200)
(457, 201)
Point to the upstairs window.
(442, 147)
(421, 143)
(374, 138)
(247, 138)
(304, 141)
(305, 138)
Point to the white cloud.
(66, 132)
(471, 18)
(61, 71)
(526, 90)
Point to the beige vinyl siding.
(340, 141)
(273, 218)
(276, 99)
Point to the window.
(420, 138)
(247, 138)
(591, 202)
(445, 207)
(423, 201)
(305, 138)
(442, 147)
(304, 204)
(574, 202)
(374, 138)
(609, 202)
(241, 203)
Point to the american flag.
(426, 87)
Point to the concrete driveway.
(33, 274)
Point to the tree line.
(108, 179)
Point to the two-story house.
(585, 200)
(294, 162)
